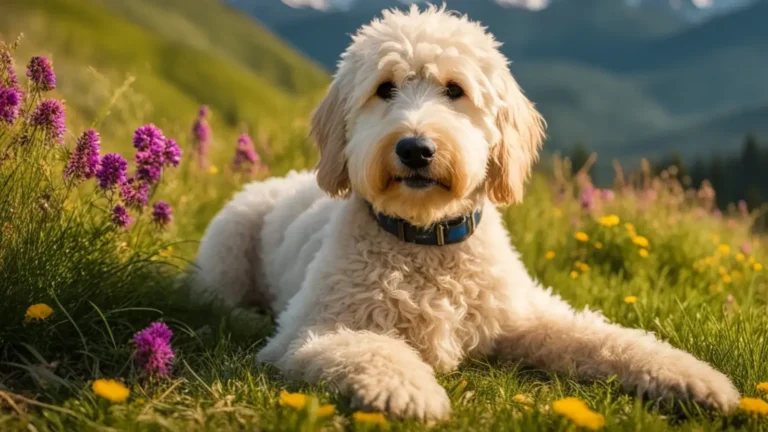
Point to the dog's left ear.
(522, 135)
(329, 131)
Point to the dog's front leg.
(546, 332)
(379, 372)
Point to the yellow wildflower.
(724, 249)
(549, 255)
(757, 267)
(643, 253)
(38, 311)
(630, 299)
(213, 170)
(709, 260)
(166, 252)
(763, 387)
(722, 270)
(293, 400)
(557, 212)
(751, 260)
(574, 274)
(753, 406)
(727, 279)
(326, 410)
(522, 399)
(111, 390)
(609, 221)
(581, 236)
(740, 257)
(581, 266)
(598, 245)
(629, 227)
(640, 241)
(579, 413)
(373, 418)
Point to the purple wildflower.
(149, 166)
(121, 217)
(153, 349)
(162, 213)
(84, 161)
(607, 195)
(201, 132)
(10, 100)
(245, 154)
(49, 115)
(149, 138)
(8, 68)
(746, 248)
(587, 197)
(135, 192)
(172, 153)
(40, 73)
(112, 171)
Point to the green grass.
(104, 284)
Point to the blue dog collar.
(442, 233)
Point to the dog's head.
(424, 118)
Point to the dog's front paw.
(412, 395)
(691, 379)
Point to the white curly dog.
(391, 262)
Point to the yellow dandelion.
(582, 266)
(213, 170)
(326, 410)
(763, 387)
(727, 278)
(724, 249)
(372, 418)
(549, 255)
(579, 413)
(609, 221)
(598, 245)
(753, 406)
(111, 390)
(709, 260)
(630, 227)
(574, 274)
(757, 267)
(643, 253)
(522, 399)
(640, 241)
(38, 311)
(581, 236)
(740, 257)
(630, 299)
(293, 400)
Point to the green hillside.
(182, 54)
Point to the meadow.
(89, 259)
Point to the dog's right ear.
(329, 131)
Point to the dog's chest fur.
(437, 298)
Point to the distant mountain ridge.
(603, 72)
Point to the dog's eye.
(453, 91)
(386, 90)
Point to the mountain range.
(617, 76)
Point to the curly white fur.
(374, 316)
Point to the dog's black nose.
(415, 152)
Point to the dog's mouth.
(418, 181)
